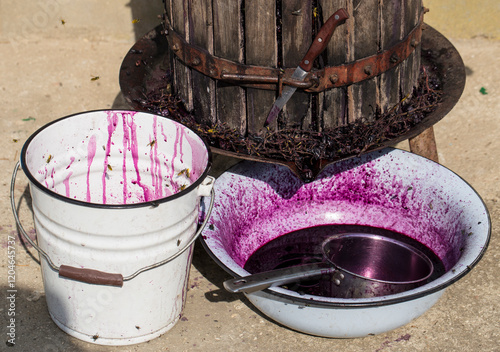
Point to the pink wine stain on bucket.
(119, 159)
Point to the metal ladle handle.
(261, 281)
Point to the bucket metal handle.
(97, 277)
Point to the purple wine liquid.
(304, 246)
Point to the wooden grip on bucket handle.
(91, 276)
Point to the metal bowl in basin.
(389, 189)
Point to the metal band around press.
(269, 78)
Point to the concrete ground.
(52, 49)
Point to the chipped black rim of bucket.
(383, 301)
(153, 203)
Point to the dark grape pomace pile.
(306, 148)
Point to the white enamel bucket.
(115, 198)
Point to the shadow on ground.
(145, 15)
(145, 18)
(22, 306)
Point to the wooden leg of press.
(425, 145)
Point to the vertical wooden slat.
(182, 74)
(333, 105)
(425, 143)
(297, 37)
(201, 35)
(168, 59)
(364, 27)
(391, 32)
(167, 5)
(411, 67)
(228, 37)
(261, 49)
(419, 8)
